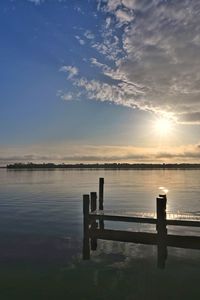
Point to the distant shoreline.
(112, 166)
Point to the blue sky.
(88, 80)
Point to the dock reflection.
(94, 228)
(90, 241)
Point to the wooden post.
(93, 197)
(86, 203)
(161, 202)
(101, 223)
(161, 212)
(86, 245)
(94, 224)
(101, 184)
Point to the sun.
(163, 126)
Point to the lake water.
(41, 236)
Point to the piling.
(93, 197)
(86, 245)
(101, 194)
(161, 227)
(94, 224)
(101, 188)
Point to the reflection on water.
(130, 271)
(116, 270)
(41, 236)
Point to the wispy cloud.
(67, 96)
(124, 16)
(190, 117)
(71, 70)
(89, 35)
(66, 152)
(36, 2)
(151, 51)
(80, 40)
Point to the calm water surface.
(41, 236)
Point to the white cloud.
(36, 2)
(80, 40)
(109, 46)
(131, 4)
(113, 4)
(151, 60)
(124, 16)
(190, 117)
(71, 70)
(108, 22)
(89, 35)
(67, 96)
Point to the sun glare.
(163, 126)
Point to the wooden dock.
(94, 227)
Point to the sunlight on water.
(41, 235)
(51, 201)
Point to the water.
(41, 236)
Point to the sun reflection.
(163, 189)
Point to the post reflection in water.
(90, 241)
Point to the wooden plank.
(124, 236)
(143, 220)
(183, 223)
(122, 218)
(187, 242)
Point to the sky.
(99, 81)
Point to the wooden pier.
(94, 227)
